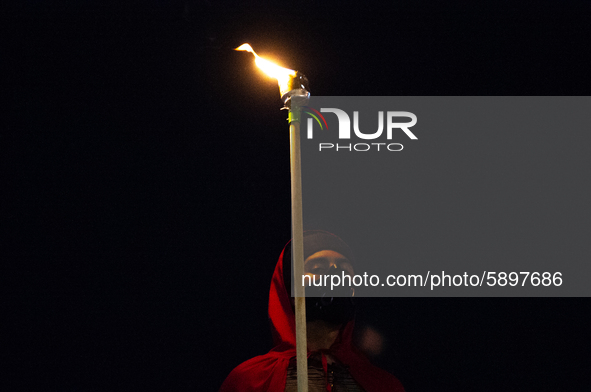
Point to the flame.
(273, 70)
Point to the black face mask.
(323, 304)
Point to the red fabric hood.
(269, 372)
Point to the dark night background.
(145, 164)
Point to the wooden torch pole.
(298, 248)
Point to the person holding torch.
(334, 363)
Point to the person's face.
(326, 262)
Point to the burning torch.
(293, 87)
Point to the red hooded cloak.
(269, 372)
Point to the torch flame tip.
(246, 48)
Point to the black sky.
(145, 165)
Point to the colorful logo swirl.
(315, 117)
